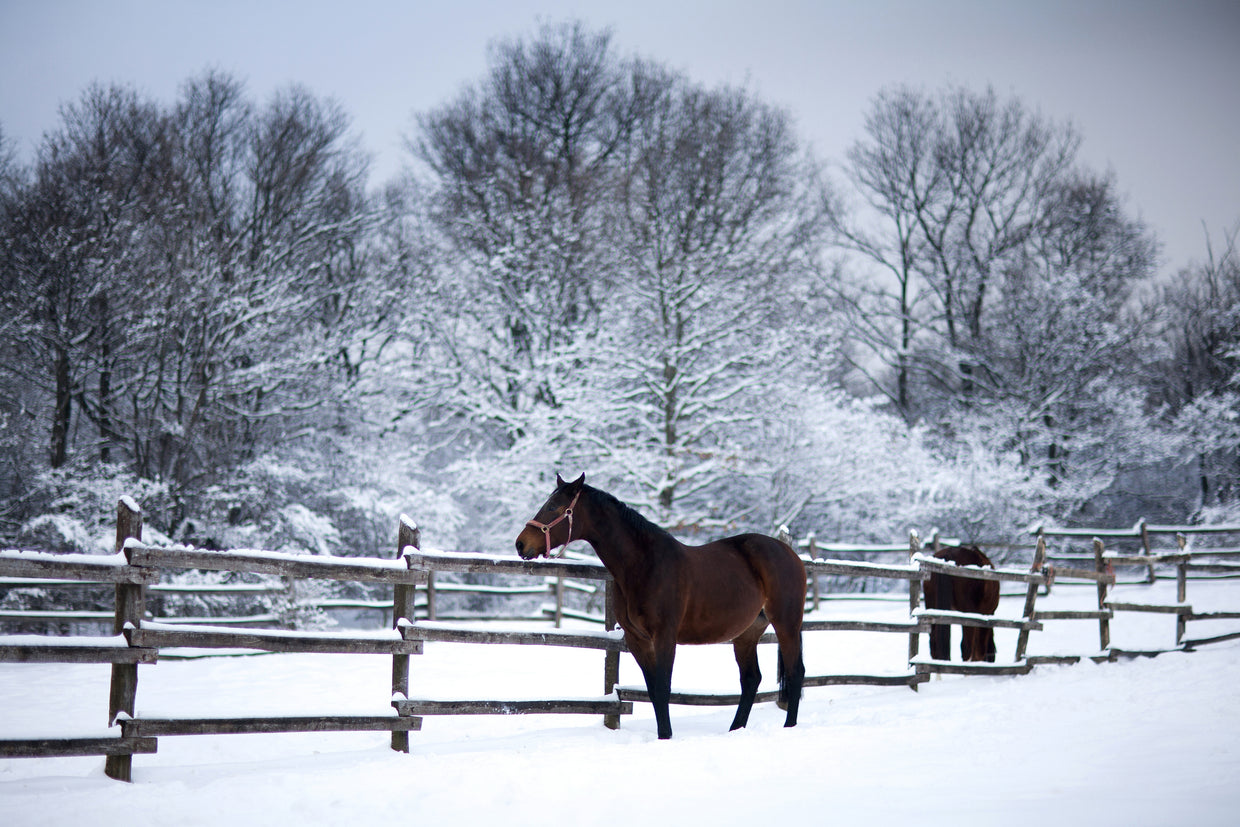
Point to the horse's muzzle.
(531, 551)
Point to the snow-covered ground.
(1140, 742)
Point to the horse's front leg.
(655, 660)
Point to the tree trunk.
(62, 410)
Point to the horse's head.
(552, 526)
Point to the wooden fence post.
(432, 611)
(611, 659)
(1104, 625)
(1031, 596)
(559, 602)
(1145, 544)
(407, 534)
(130, 606)
(1181, 590)
(914, 600)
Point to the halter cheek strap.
(545, 528)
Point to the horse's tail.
(786, 683)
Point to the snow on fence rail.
(138, 640)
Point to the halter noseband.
(545, 528)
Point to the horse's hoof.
(782, 705)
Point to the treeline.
(595, 263)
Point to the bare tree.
(1197, 379)
(71, 234)
(522, 172)
(175, 276)
(956, 182)
(896, 172)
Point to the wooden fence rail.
(138, 640)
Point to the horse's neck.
(621, 547)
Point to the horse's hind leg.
(791, 672)
(786, 615)
(746, 648)
(939, 596)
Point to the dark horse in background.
(669, 593)
(962, 594)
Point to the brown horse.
(669, 593)
(962, 594)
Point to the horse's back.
(981, 596)
(780, 571)
(733, 579)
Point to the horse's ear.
(577, 483)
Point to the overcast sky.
(1152, 85)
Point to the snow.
(117, 559)
(1149, 741)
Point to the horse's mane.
(631, 518)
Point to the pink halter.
(545, 528)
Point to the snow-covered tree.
(723, 228)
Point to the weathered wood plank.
(66, 747)
(972, 668)
(1041, 660)
(1065, 572)
(92, 568)
(489, 564)
(1202, 641)
(1145, 559)
(444, 633)
(1114, 653)
(549, 611)
(1118, 606)
(860, 569)
(359, 569)
(54, 615)
(933, 564)
(865, 680)
(1110, 533)
(1072, 614)
(269, 619)
(1214, 568)
(937, 617)
(896, 626)
(82, 653)
(271, 640)
(1193, 529)
(637, 693)
(1214, 616)
(572, 706)
(281, 723)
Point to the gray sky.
(1153, 85)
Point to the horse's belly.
(718, 627)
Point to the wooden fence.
(1183, 562)
(135, 568)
